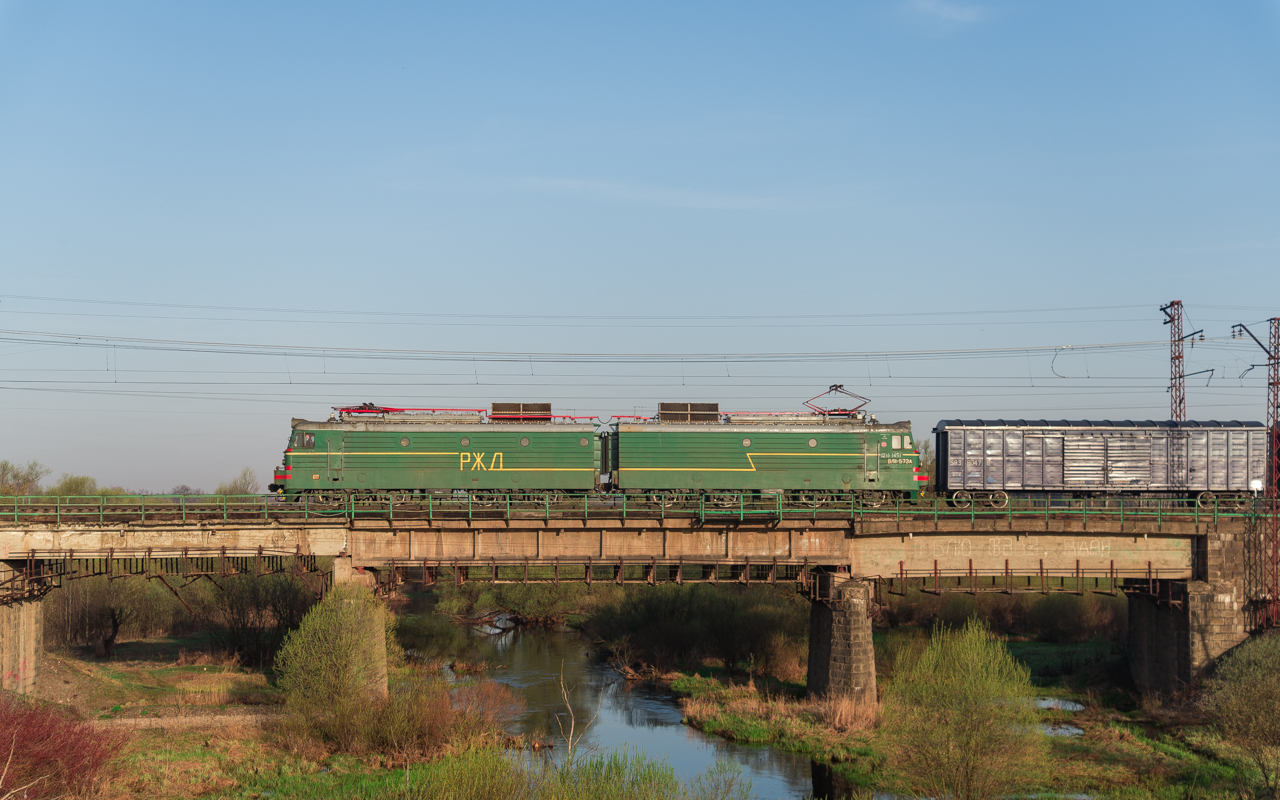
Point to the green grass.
(741, 715)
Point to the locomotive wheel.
(660, 500)
(961, 499)
(1206, 500)
(723, 500)
(874, 499)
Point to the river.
(626, 714)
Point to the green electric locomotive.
(687, 450)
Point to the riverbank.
(1116, 745)
(201, 725)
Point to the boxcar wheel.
(1206, 499)
(961, 499)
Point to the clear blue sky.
(738, 178)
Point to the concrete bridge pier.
(842, 658)
(21, 641)
(1177, 629)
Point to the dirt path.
(185, 721)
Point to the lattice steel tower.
(1177, 367)
(1264, 574)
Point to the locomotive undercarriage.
(1205, 501)
(655, 498)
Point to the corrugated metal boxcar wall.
(1020, 455)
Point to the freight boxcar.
(803, 456)
(402, 452)
(990, 461)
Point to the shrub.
(337, 654)
(1244, 702)
(665, 625)
(50, 754)
(959, 723)
(613, 775)
(82, 611)
(251, 615)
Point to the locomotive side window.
(897, 443)
(309, 440)
(906, 442)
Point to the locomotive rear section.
(693, 448)
(988, 462)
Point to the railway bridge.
(1190, 571)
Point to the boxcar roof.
(1087, 423)
(743, 430)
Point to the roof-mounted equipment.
(837, 388)
(689, 413)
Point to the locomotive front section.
(415, 452)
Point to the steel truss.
(40, 571)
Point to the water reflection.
(625, 714)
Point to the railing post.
(144, 508)
(182, 503)
(430, 509)
(740, 506)
(57, 509)
(1121, 510)
(101, 502)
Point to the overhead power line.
(44, 338)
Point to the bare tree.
(17, 480)
(568, 722)
(244, 483)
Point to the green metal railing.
(723, 506)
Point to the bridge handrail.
(742, 506)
